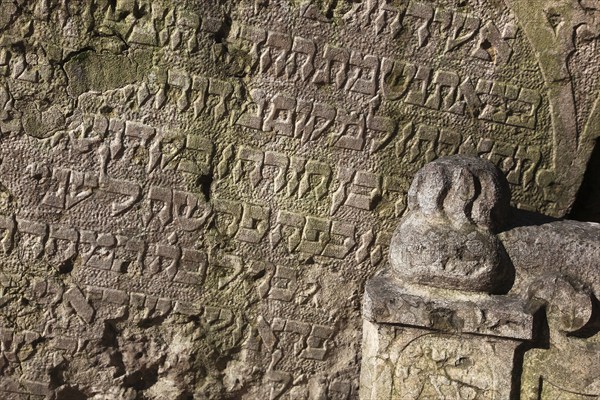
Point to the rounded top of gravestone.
(456, 204)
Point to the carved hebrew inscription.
(192, 194)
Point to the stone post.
(437, 323)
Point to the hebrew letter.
(502, 155)
(322, 118)
(262, 272)
(444, 82)
(64, 252)
(128, 250)
(120, 261)
(303, 111)
(182, 81)
(266, 333)
(197, 155)
(427, 135)
(47, 291)
(116, 127)
(448, 142)
(115, 296)
(163, 306)
(100, 250)
(80, 188)
(385, 128)
(526, 118)
(490, 37)
(308, 49)
(344, 177)
(37, 229)
(301, 330)
(365, 191)
(199, 87)
(341, 240)
(528, 160)
(228, 226)
(364, 72)
(229, 262)
(218, 318)
(281, 162)
(283, 284)
(160, 195)
(254, 157)
(466, 96)
(223, 90)
(275, 52)
(75, 299)
(255, 37)
(289, 225)
(131, 190)
(389, 17)
(8, 225)
(370, 6)
(352, 132)
(188, 211)
(138, 134)
(316, 119)
(253, 119)
(443, 17)
(408, 132)
(254, 223)
(82, 137)
(396, 77)
(165, 253)
(418, 95)
(315, 171)
(425, 12)
(192, 269)
(495, 109)
(393, 188)
(281, 116)
(280, 380)
(316, 342)
(296, 168)
(100, 125)
(464, 27)
(165, 148)
(333, 56)
(315, 235)
(56, 198)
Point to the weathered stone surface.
(413, 363)
(425, 337)
(391, 301)
(558, 266)
(192, 194)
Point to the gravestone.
(478, 302)
(192, 194)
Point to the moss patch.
(99, 72)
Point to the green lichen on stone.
(92, 71)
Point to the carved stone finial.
(423, 341)
(420, 341)
(456, 204)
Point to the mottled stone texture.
(193, 193)
(432, 331)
